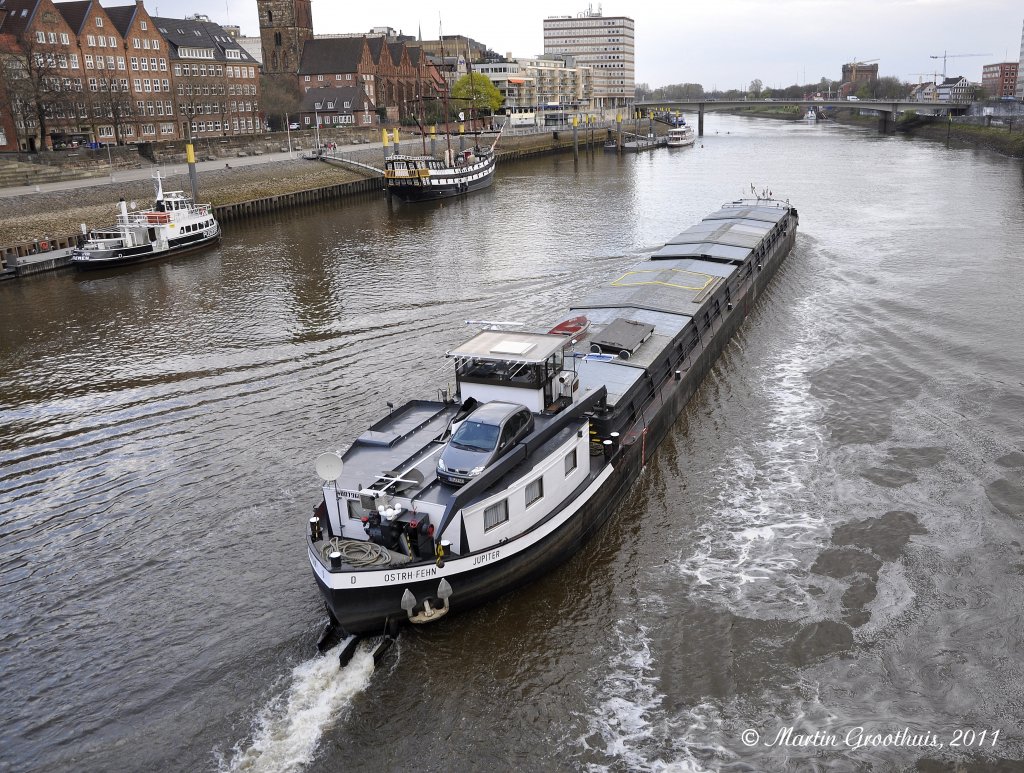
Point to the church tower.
(285, 26)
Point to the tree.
(281, 96)
(886, 88)
(39, 91)
(756, 86)
(477, 91)
(114, 102)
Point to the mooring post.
(700, 120)
(575, 139)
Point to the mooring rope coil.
(357, 553)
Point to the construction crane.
(920, 75)
(944, 56)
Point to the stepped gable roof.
(339, 95)
(331, 55)
(376, 46)
(19, 16)
(396, 52)
(122, 16)
(75, 13)
(185, 33)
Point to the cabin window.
(534, 491)
(496, 514)
(570, 462)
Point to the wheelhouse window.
(496, 514)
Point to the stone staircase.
(14, 174)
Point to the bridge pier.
(887, 121)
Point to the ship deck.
(406, 441)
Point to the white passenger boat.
(174, 225)
(681, 136)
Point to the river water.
(830, 540)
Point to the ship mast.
(419, 94)
(444, 96)
(472, 96)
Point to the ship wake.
(629, 726)
(287, 730)
(768, 518)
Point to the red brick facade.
(75, 72)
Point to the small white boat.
(681, 136)
(811, 116)
(174, 225)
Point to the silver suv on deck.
(482, 438)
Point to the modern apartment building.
(605, 44)
(542, 83)
(999, 80)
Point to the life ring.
(44, 246)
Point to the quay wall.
(32, 257)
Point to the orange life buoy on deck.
(44, 245)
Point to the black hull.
(369, 610)
(132, 256)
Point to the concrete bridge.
(887, 108)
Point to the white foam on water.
(755, 544)
(629, 719)
(287, 730)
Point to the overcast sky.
(719, 43)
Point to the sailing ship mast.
(419, 94)
(444, 97)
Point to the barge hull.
(361, 611)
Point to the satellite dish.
(328, 465)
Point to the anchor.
(429, 614)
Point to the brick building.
(285, 27)
(999, 80)
(216, 81)
(337, 106)
(41, 75)
(76, 72)
(387, 67)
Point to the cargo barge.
(447, 503)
